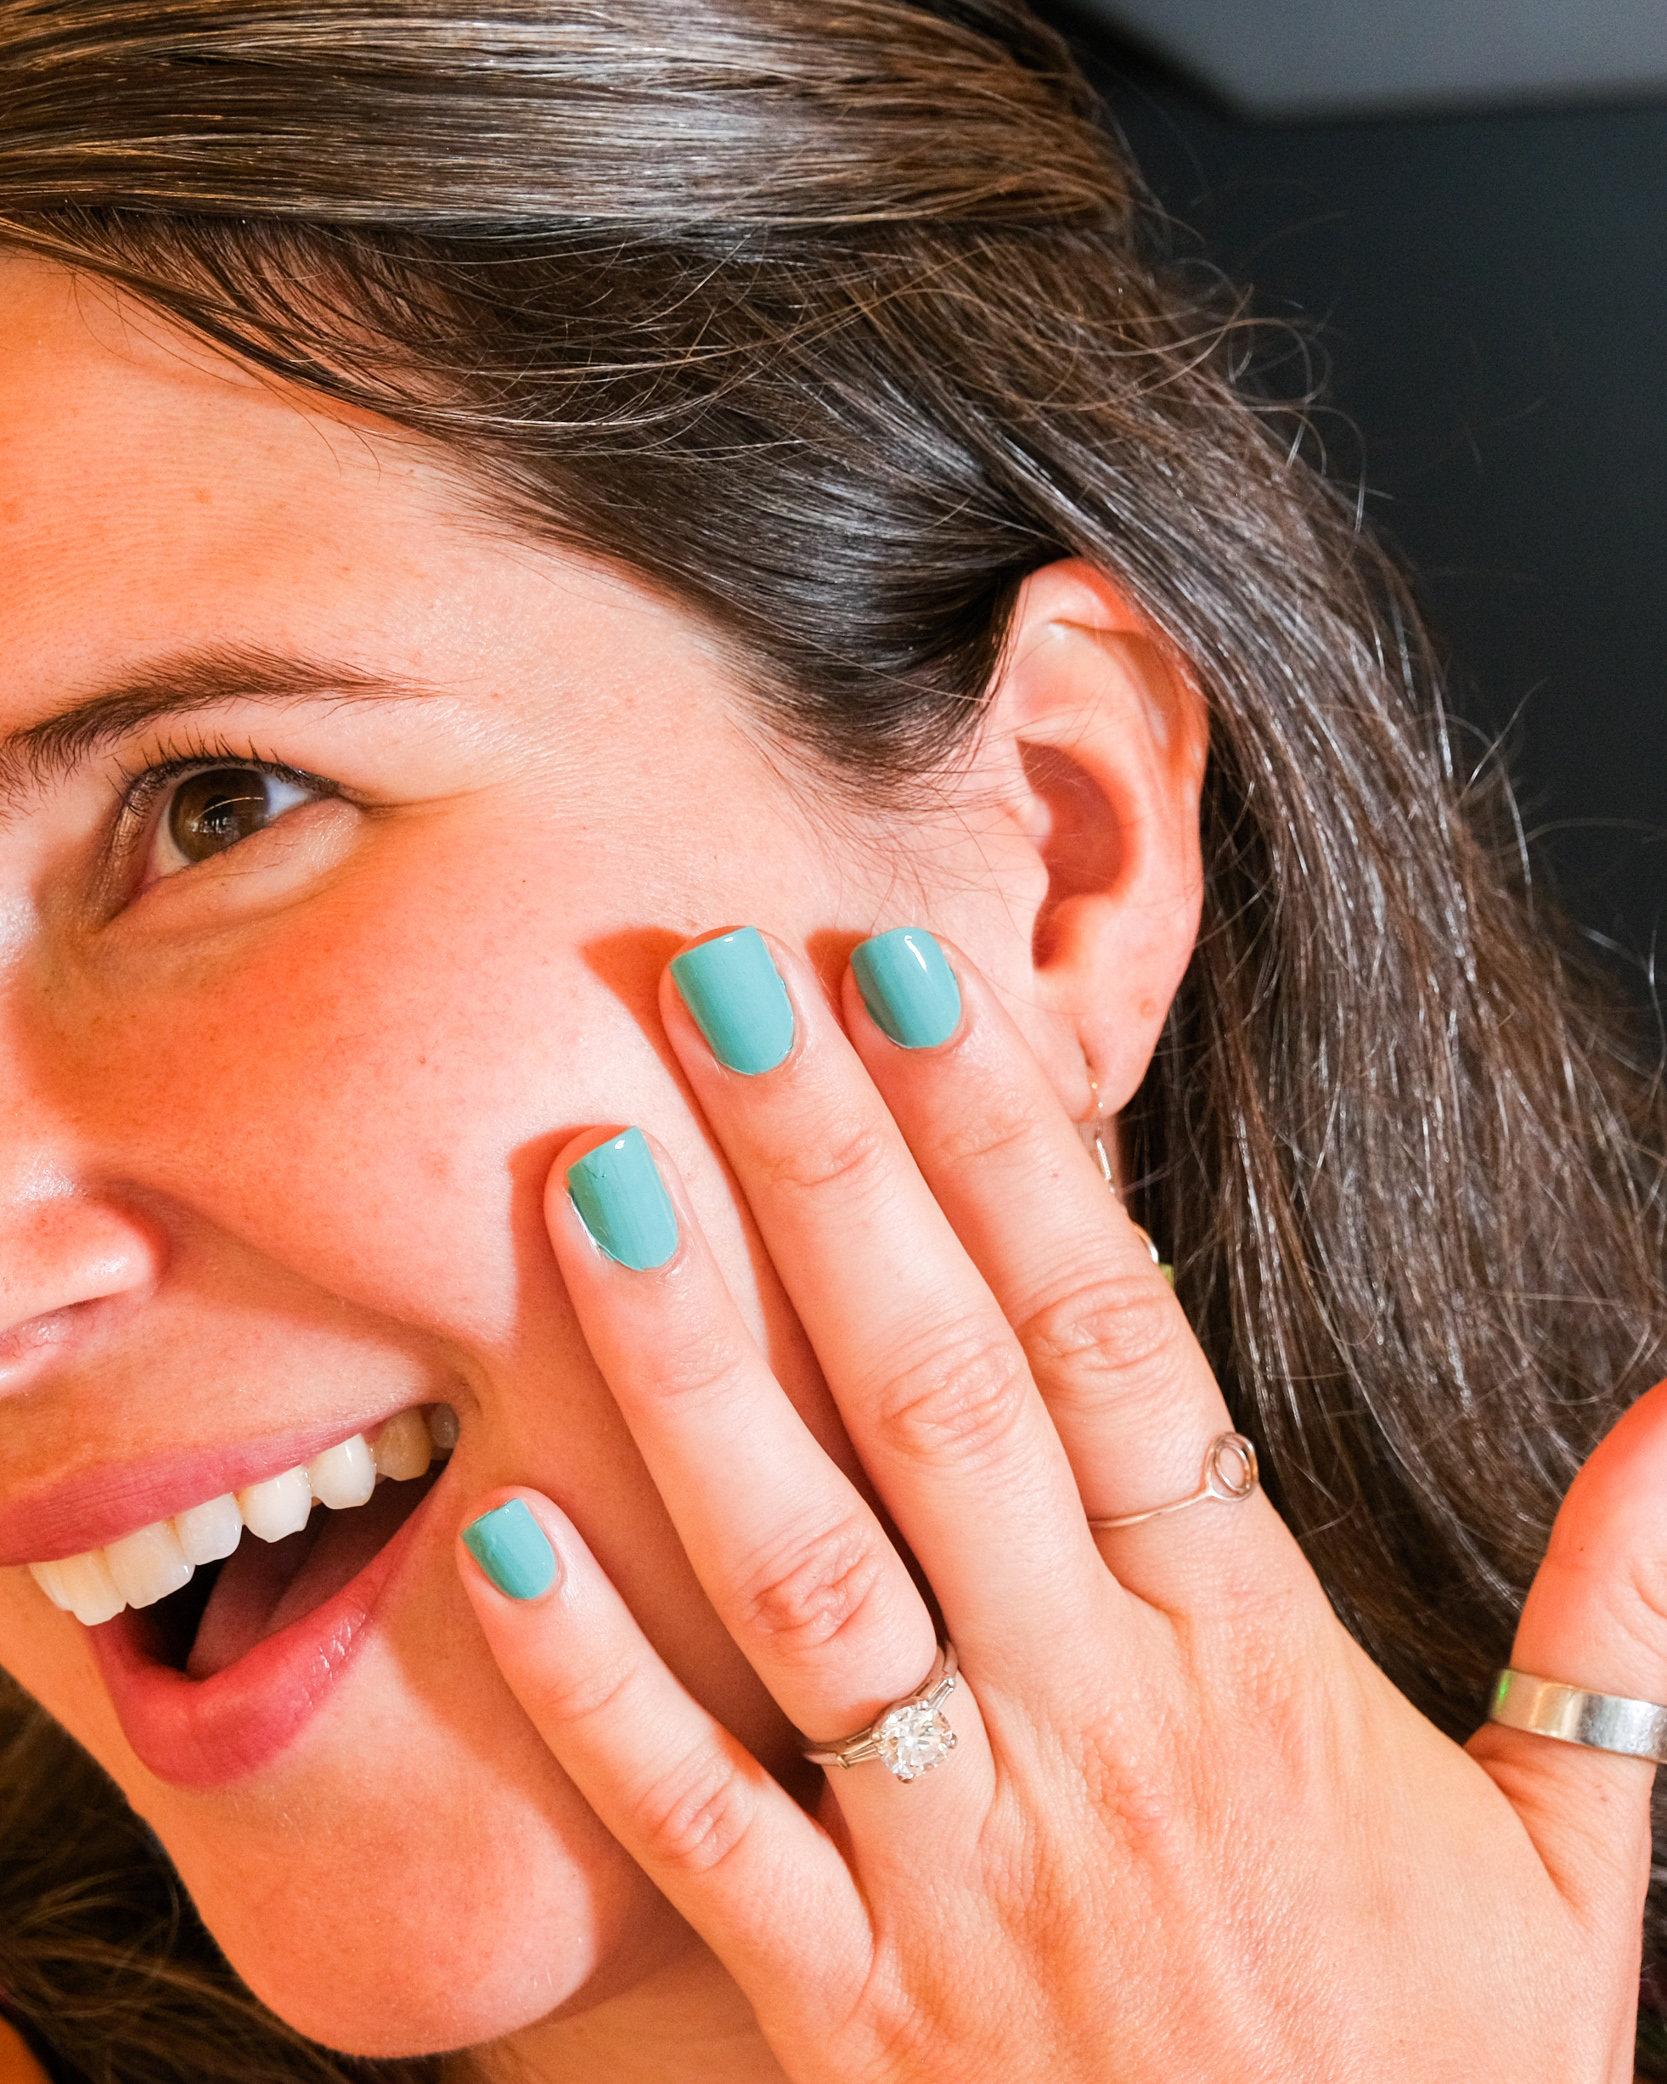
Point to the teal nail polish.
(908, 987)
(738, 1000)
(623, 1203)
(511, 1547)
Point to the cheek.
(369, 1089)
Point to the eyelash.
(142, 788)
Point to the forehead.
(156, 497)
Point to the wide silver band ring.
(910, 1738)
(1600, 1721)
(1230, 1475)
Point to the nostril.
(51, 1328)
(36, 1335)
(61, 1256)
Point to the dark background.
(1490, 292)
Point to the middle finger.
(931, 1382)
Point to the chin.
(379, 1841)
(417, 1877)
(442, 1947)
(375, 1834)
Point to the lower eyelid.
(288, 792)
(272, 866)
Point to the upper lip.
(102, 1504)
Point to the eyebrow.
(176, 685)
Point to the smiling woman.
(609, 1483)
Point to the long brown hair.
(835, 322)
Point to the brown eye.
(213, 811)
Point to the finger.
(930, 1381)
(789, 1552)
(1125, 1381)
(712, 1830)
(1596, 1617)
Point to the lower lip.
(209, 1733)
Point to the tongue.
(264, 1586)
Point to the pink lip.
(105, 1504)
(208, 1733)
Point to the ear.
(1095, 742)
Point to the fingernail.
(513, 1550)
(907, 987)
(623, 1203)
(737, 998)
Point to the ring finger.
(791, 1555)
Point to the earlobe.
(1108, 736)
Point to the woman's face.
(280, 1108)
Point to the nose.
(61, 1247)
(67, 1240)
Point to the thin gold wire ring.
(1229, 1485)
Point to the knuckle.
(1094, 1342)
(696, 1363)
(1643, 1601)
(696, 1814)
(960, 1402)
(598, 1690)
(822, 1587)
(1000, 1129)
(846, 1154)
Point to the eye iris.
(213, 811)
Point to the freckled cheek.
(375, 1104)
(54, 1664)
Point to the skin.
(476, 953)
(575, 1829)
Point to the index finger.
(1126, 1383)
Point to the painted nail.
(738, 1000)
(907, 987)
(513, 1550)
(623, 1203)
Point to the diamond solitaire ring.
(910, 1738)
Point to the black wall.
(1492, 298)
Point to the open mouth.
(208, 1594)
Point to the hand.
(1189, 1832)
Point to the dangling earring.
(1097, 1144)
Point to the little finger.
(709, 1826)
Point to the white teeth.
(208, 1532)
(148, 1565)
(50, 1578)
(277, 1507)
(403, 1449)
(90, 1588)
(343, 1476)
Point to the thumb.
(1595, 1617)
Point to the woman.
(502, 505)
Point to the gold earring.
(1097, 1144)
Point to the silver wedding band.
(1230, 1475)
(1600, 1721)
